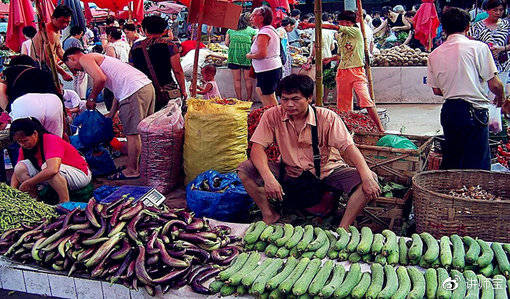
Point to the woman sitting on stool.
(46, 158)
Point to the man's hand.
(273, 189)
(91, 105)
(67, 77)
(371, 188)
(26, 186)
(497, 49)
(306, 25)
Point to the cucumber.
(282, 252)
(367, 237)
(320, 279)
(496, 271)
(459, 253)
(275, 281)
(324, 249)
(334, 282)
(308, 254)
(351, 280)
(418, 282)
(414, 262)
(486, 256)
(473, 250)
(332, 253)
(423, 263)
(266, 233)
(376, 285)
(436, 263)
(260, 246)
(343, 255)
(446, 252)
(320, 240)
(288, 282)
(416, 250)
(248, 280)
(472, 285)
(404, 283)
(253, 235)
(391, 283)
(227, 290)
(354, 257)
(367, 258)
(241, 290)
(271, 250)
(501, 258)
(293, 252)
(431, 283)
(250, 264)
(355, 238)
(487, 288)
(487, 271)
(377, 244)
(302, 284)
(442, 277)
(307, 238)
(432, 252)
(259, 285)
(277, 234)
(304, 296)
(506, 247)
(216, 286)
(393, 258)
(391, 244)
(499, 283)
(275, 294)
(249, 247)
(296, 237)
(361, 288)
(402, 252)
(343, 239)
(460, 291)
(264, 296)
(236, 266)
(288, 231)
(380, 259)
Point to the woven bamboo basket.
(441, 214)
(396, 164)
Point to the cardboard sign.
(217, 13)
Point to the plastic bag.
(162, 137)
(392, 37)
(218, 196)
(495, 124)
(216, 136)
(100, 161)
(94, 128)
(396, 141)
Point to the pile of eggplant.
(128, 243)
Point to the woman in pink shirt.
(46, 158)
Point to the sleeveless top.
(121, 78)
(121, 50)
(272, 60)
(398, 22)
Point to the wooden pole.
(368, 70)
(319, 89)
(197, 49)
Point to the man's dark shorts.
(342, 179)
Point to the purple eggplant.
(185, 216)
(54, 225)
(222, 230)
(196, 283)
(172, 275)
(123, 267)
(140, 271)
(224, 256)
(131, 212)
(151, 249)
(167, 259)
(169, 215)
(131, 228)
(196, 225)
(153, 259)
(123, 251)
(177, 252)
(194, 238)
(172, 223)
(202, 255)
(89, 213)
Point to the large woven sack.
(162, 137)
(216, 136)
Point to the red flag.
(21, 14)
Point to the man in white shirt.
(458, 70)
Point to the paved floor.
(414, 119)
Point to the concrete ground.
(414, 119)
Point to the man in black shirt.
(164, 56)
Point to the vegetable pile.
(128, 243)
(306, 278)
(503, 155)
(400, 56)
(392, 189)
(460, 253)
(18, 209)
(473, 192)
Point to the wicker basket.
(396, 164)
(441, 214)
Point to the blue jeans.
(466, 136)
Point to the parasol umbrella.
(114, 5)
(426, 22)
(166, 7)
(87, 12)
(48, 8)
(77, 19)
(138, 11)
(21, 14)
(4, 9)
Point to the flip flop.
(119, 176)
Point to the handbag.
(166, 92)
(305, 190)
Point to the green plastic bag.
(396, 141)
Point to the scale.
(149, 196)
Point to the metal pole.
(367, 53)
(319, 91)
(197, 49)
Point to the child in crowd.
(210, 90)
(29, 33)
(74, 105)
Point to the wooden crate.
(398, 165)
(386, 213)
